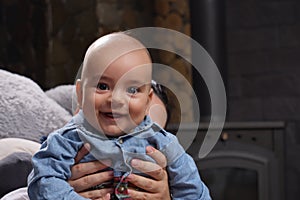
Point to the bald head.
(109, 48)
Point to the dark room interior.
(254, 43)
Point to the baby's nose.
(118, 99)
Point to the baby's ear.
(79, 92)
(150, 95)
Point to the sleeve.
(184, 180)
(51, 169)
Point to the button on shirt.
(51, 165)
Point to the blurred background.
(255, 44)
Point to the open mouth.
(112, 115)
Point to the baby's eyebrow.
(98, 77)
(140, 83)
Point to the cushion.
(26, 111)
(19, 194)
(12, 145)
(14, 170)
(63, 95)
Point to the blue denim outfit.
(51, 165)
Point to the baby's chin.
(114, 132)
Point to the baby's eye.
(132, 90)
(102, 86)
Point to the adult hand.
(84, 176)
(156, 188)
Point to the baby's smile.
(113, 116)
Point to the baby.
(114, 96)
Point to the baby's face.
(117, 99)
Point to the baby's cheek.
(158, 114)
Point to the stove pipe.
(208, 29)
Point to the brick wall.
(263, 45)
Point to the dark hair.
(161, 92)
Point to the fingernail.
(106, 162)
(129, 192)
(87, 146)
(129, 177)
(150, 149)
(107, 196)
(135, 162)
